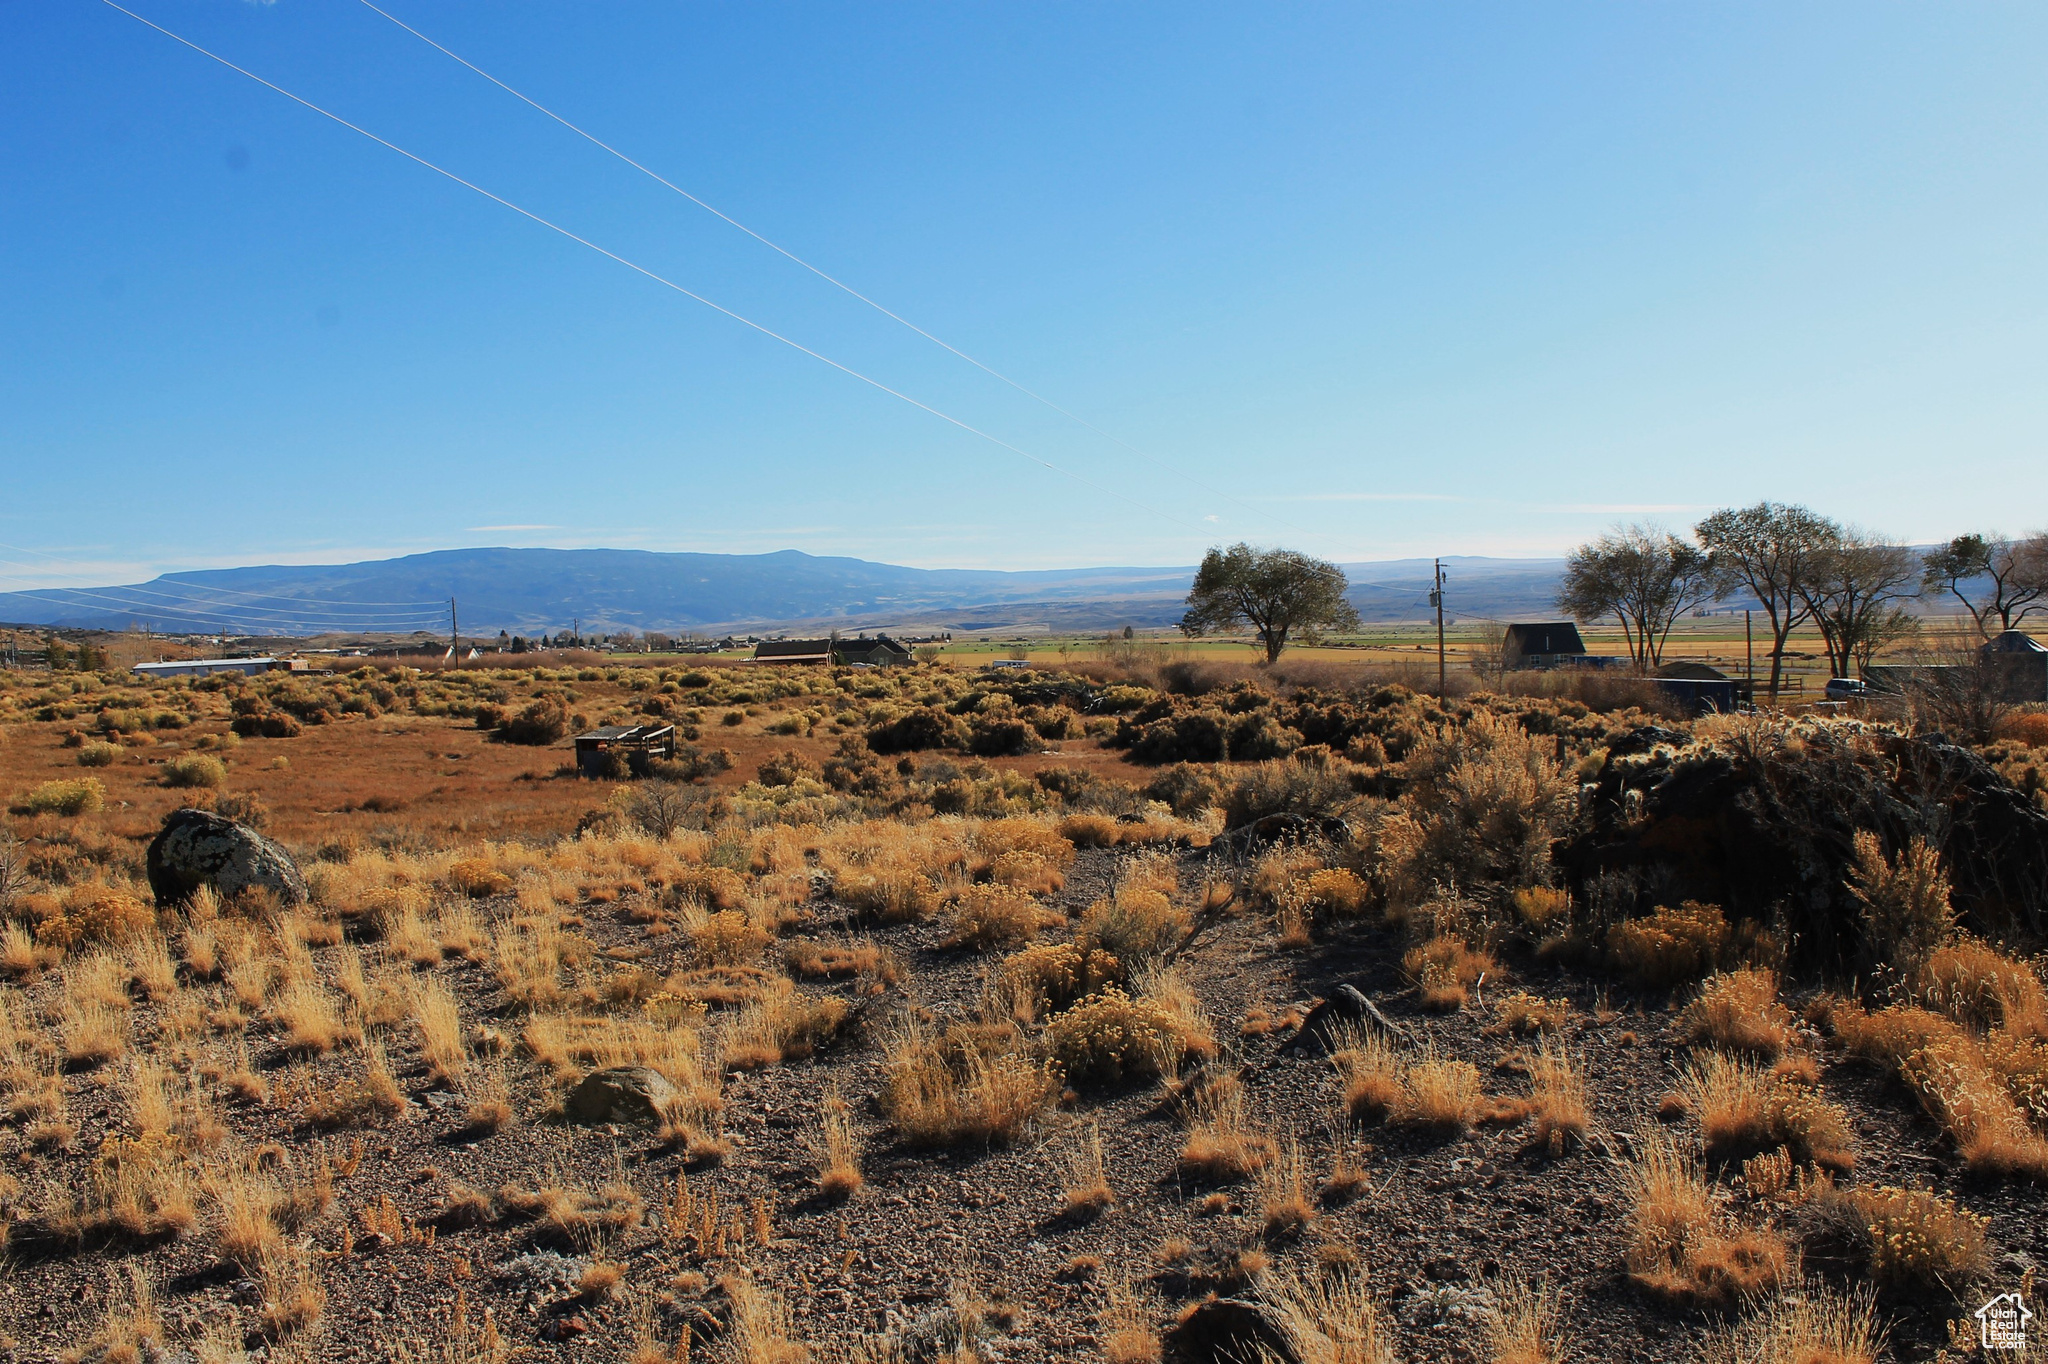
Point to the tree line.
(1802, 568)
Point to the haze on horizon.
(1373, 282)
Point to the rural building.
(1701, 687)
(2022, 665)
(1543, 644)
(207, 667)
(638, 744)
(880, 650)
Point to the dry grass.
(995, 916)
(1739, 1011)
(784, 1024)
(1743, 1109)
(1525, 1015)
(1222, 1144)
(1331, 1320)
(1559, 1104)
(1916, 1238)
(838, 1149)
(439, 1023)
(1670, 946)
(763, 1331)
(1438, 1093)
(1087, 1192)
(1129, 1335)
(1445, 970)
(1371, 1074)
(1679, 1247)
(973, 1083)
(1284, 1206)
(1525, 1327)
(1814, 1327)
(1985, 989)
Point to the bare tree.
(1853, 595)
(1768, 549)
(1490, 655)
(1278, 592)
(1645, 577)
(1957, 690)
(2016, 570)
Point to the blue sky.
(1369, 280)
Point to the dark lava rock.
(198, 848)
(1228, 1331)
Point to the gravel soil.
(1439, 1218)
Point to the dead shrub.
(1915, 1238)
(1679, 1248)
(1670, 946)
(1445, 969)
(1110, 1039)
(1739, 1011)
(1905, 901)
(992, 916)
(1743, 1109)
(1053, 976)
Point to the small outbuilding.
(1701, 687)
(599, 751)
(2022, 665)
(207, 667)
(1543, 644)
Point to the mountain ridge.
(534, 591)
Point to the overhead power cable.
(658, 279)
(829, 278)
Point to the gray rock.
(542, 1271)
(621, 1094)
(198, 848)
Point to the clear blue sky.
(1369, 280)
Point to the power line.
(830, 279)
(643, 270)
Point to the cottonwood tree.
(1643, 576)
(1770, 550)
(1278, 592)
(2016, 572)
(1853, 595)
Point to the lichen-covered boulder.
(620, 1094)
(198, 848)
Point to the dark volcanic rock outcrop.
(1760, 815)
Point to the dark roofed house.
(2015, 642)
(879, 650)
(793, 651)
(1543, 644)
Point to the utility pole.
(1749, 655)
(454, 634)
(1436, 599)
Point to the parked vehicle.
(1846, 689)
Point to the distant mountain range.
(536, 591)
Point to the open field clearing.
(1116, 1013)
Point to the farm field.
(950, 1014)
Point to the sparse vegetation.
(1019, 958)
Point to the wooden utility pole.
(1749, 655)
(454, 633)
(1436, 599)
